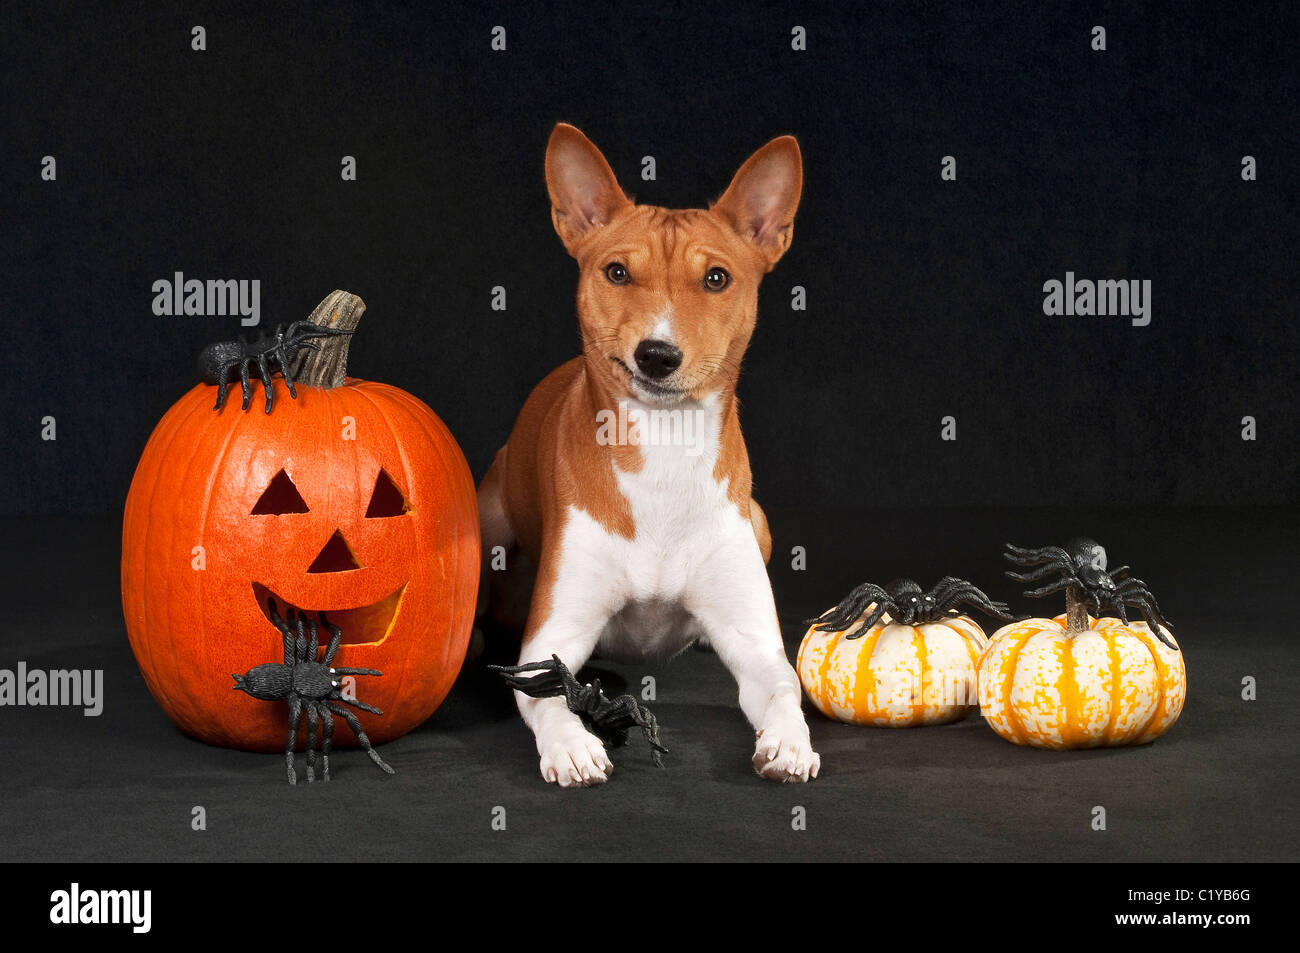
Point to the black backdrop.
(924, 300)
(924, 296)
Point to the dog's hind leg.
(495, 532)
(497, 540)
(758, 520)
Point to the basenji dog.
(625, 479)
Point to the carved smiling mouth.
(361, 625)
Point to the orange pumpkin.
(352, 499)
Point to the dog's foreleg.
(578, 589)
(569, 754)
(731, 597)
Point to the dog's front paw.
(786, 754)
(575, 758)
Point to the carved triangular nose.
(335, 556)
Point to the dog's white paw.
(786, 754)
(575, 758)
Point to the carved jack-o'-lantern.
(352, 499)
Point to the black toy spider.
(1080, 569)
(217, 360)
(311, 686)
(608, 718)
(907, 604)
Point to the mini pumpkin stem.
(1076, 611)
(326, 366)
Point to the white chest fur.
(683, 518)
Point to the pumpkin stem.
(1076, 611)
(327, 365)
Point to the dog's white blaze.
(662, 329)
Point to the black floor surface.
(1221, 785)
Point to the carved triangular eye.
(280, 496)
(387, 500)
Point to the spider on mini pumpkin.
(1082, 564)
(897, 656)
(1076, 681)
(907, 604)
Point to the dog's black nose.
(657, 359)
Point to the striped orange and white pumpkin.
(1113, 683)
(894, 676)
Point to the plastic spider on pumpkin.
(1081, 565)
(914, 666)
(311, 686)
(1075, 681)
(907, 604)
(216, 361)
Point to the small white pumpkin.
(896, 656)
(1078, 681)
(894, 675)
(1108, 683)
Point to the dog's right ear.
(584, 193)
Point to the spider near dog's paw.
(786, 757)
(575, 759)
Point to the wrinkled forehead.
(649, 234)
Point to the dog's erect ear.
(584, 193)
(762, 198)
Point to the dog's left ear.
(762, 198)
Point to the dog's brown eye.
(617, 274)
(716, 279)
